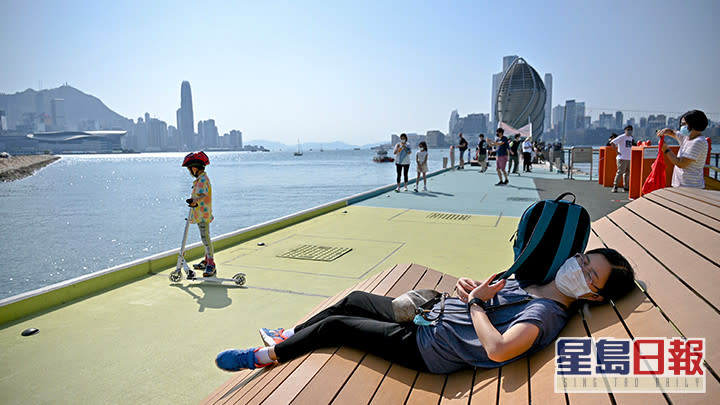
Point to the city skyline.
(358, 73)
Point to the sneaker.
(397, 190)
(236, 360)
(415, 189)
(614, 190)
(271, 337)
(191, 275)
(626, 190)
(200, 266)
(405, 189)
(424, 188)
(210, 271)
(507, 181)
(500, 183)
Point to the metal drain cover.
(317, 253)
(449, 217)
(522, 199)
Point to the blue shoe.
(236, 360)
(271, 337)
(209, 271)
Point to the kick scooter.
(176, 275)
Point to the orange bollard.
(601, 166)
(609, 167)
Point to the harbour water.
(86, 213)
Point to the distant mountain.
(78, 107)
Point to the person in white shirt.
(527, 147)
(623, 144)
(690, 159)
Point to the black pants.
(361, 320)
(404, 169)
(527, 162)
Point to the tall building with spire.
(185, 120)
(548, 102)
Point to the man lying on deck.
(487, 325)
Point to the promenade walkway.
(152, 341)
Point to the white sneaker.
(424, 188)
(405, 189)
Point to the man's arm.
(514, 342)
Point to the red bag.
(656, 179)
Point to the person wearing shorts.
(503, 144)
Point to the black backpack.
(549, 232)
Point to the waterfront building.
(57, 105)
(548, 101)
(521, 97)
(619, 119)
(496, 80)
(208, 134)
(470, 125)
(59, 142)
(606, 121)
(435, 139)
(557, 116)
(185, 120)
(454, 119)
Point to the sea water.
(86, 213)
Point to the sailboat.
(299, 149)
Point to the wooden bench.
(671, 236)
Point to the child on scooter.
(201, 202)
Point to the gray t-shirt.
(452, 343)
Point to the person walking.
(527, 148)
(462, 146)
(481, 153)
(623, 144)
(501, 156)
(402, 160)
(514, 157)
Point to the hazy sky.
(358, 71)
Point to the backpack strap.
(566, 241)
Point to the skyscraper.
(521, 98)
(548, 101)
(497, 78)
(185, 118)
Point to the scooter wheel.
(175, 276)
(239, 278)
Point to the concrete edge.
(21, 305)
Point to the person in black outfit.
(514, 157)
(462, 145)
(481, 153)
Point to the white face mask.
(570, 279)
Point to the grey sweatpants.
(204, 228)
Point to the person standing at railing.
(623, 144)
(690, 159)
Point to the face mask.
(570, 279)
(403, 141)
(684, 130)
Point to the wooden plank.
(604, 322)
(701, 207)
(295, 382)
(429, 280)
(447, 284)
(697, 272)
(227, 386)
(363, 383)
(692, 234)
(388, 282)
(427, 389)
(704, 218)
(408, 281)
(458, 388)
(673, 298)
(485, 386)
(395, 387)
(514, 383)
(329, 380)
(574, 328)
(264, 383)
(710, 196)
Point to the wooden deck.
(670, 236)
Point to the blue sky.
(359, 71)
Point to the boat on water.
(299, 151)
(382, 156)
